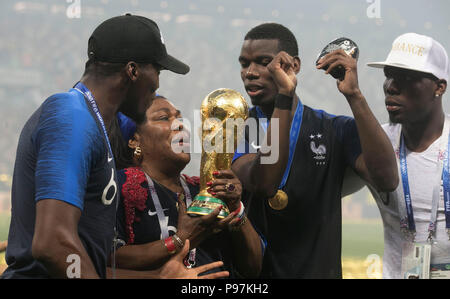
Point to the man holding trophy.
(296, 198)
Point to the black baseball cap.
(132, 38)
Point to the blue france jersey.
(304, 238)
(62, 155)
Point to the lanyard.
(293, 135)
(80, 87)
(163, 221)
(407, 223)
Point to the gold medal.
(279, 201)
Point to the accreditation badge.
(440, 260)
(440, 271)
(416, 260)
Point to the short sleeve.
(64, 141)
(347, 134)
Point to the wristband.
(238, 225)
(241, 211)
(178, 240)
(283, 102)
(170, 245)
(241, 216)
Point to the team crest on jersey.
(319, 150)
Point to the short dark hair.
(104, 69)
(107, 69)
(286, 39)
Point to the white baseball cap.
(417, 52)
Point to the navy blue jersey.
(62, 154)
(138, 222)
(304, 239)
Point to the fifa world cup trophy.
(223, 113)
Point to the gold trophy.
(221, 111)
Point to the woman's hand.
(226, 186)
(195, 228)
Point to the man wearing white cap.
(416, 216)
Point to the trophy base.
(205, 205)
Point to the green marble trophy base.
(205, 205)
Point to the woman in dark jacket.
(152, 219)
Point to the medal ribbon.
(293, 135)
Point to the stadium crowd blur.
(43, 50)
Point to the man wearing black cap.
(64, 192)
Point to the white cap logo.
(419, 53)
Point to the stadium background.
(43, 51)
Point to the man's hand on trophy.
(196, 229)
(284, 68)
(348, 85)
(227, 187)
